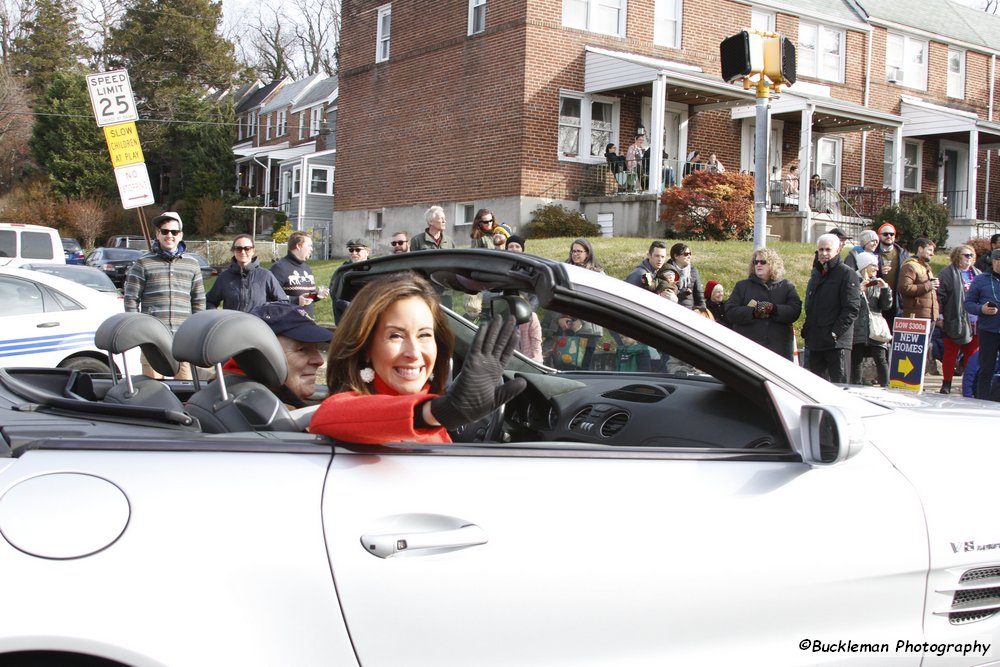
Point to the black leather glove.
(475, 393)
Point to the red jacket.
(374, 419)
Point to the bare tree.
(87, 217)
(95, 19)
(13, 14)
(15, 128)
(318, 34)
(267, 45)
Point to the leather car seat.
(124, 331)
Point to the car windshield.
(71, 245)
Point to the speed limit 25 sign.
(112, 98)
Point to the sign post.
(911, 341)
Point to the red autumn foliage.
(710, 206)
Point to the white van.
(21, 244)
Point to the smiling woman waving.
(388, 365)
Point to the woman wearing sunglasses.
(245, 284)
(959, 326)
(764, 306)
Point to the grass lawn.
(724, 261)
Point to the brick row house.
(509, 104)
(286, 149)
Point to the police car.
(49, 321)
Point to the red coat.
(374, 419)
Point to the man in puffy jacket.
(832, 302)
(917, 284)
(244, 285)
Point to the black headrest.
(125, 331)
(214, 337)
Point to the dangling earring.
(367, 375)
(430, 378)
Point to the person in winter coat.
(982, 300)
(958, 326)
(643, 275)
(764, 306)
(867, 242)
(832, 301)
(296, 276)
(389, 362)
(917, 284)
(891, 256)
(715, 301)
(482, 229)
(690, 292)
(244, 285)
(876, 296)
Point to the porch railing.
(610, 179)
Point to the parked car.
(115, 262)
(50, 322)
(73, 251)
(207, 270)
(88, 276)
(20, 243)
(686, 483)
(127, 241)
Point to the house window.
(603, 16)
(282, 124)
(667, 23)
(912, 165)
(315, 120)
(465, 214)
(761, 20)
(586, 124)
(906, 61)
(320, 180)
(251, 124)
(331, 129)
(296, 181)
(267, 128)
(827, 165)
(956, 73)
(302, 124)
(821, 52)
(477, 16)
(382, 36)
(286, 187)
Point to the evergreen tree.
(66, 142)
(51, 42)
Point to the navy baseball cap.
(286, 319)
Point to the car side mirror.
(829, 437)
(513, 304)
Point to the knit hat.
(709, 288)
(514, 238)
(886, 227)
(503, 229)
(867, 236)
(866, 259)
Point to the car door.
(551, 554)
(42, 326)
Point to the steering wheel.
(487, 429)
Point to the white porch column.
(805, 153)
(897, 163)
(970, 212)
(658, 106)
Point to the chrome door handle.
(47, 325)
(388, 545)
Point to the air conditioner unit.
(895, 75)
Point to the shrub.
(211, 216)
(553, 220)
(921, 217)
(710, 206)
(281, 232)
(981, 244)
(87, 218)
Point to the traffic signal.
(779, 60)
(742, 55)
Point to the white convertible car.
(685, 497)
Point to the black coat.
(773, 332)
(244, 289)
(832, 302)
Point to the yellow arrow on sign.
(123, 144)
(905, 366)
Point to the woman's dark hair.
(678, 249)
(356, 330)
(477, 231)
